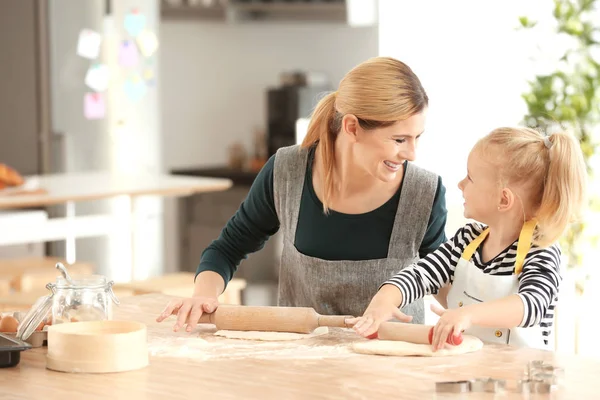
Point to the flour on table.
(399, 348)
(271, 336)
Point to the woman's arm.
(246, 231)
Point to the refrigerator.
(93, 106)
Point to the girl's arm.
(434, 271)
(442, 296)
(424, 277)
(538, 287)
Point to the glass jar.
(87, 298)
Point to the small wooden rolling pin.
(413, 333)
(271, 319)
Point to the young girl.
(524, 188)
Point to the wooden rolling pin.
(413, 333)
(271, 319)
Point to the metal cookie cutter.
(488, 385)
(546, 377)
(544, 372)
(453, 387)
(542, 366)
(529, 386)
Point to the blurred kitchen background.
(221, 84)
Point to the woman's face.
(382, 151)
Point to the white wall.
(214, 78)
(473, 64)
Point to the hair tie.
(547, 141)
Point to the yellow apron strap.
(524, 244)
(472, 247)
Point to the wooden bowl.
(97, 346)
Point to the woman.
(351, 207)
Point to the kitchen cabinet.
(240, 11)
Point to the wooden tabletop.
(202, 366)
(61, 188)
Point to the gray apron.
(342, 287)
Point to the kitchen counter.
(243, 177)
(200, 365)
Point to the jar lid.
(81, 282)
(34, 317)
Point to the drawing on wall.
(135, 60)
(128, 54)
(135, 87)
(134, 22)
(147, 42)
(97, 77)
(88, 45)
(93, 106)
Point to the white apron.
(471, 285)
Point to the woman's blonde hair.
(550, 168)
(379, 92)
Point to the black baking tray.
(10, 350)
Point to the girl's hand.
(451, 322)
(383, 307)
(369, 323)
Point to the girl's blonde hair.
(379, 92)
(550, 168)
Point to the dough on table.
(398, 348)
(271, 336)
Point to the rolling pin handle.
(207, 318)
(334, 321)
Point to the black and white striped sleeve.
(538, 283)
(430, 273)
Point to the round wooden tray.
(97, 347)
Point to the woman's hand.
(188, 310)
(383, 307)
(207, 288)
(452, 322)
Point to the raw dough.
(271, 336)
(398, 348)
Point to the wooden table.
(71, 188)
(201, 366)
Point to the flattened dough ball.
(271, 336)
(397, 348)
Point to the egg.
(8, 324)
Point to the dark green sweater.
(335, 236)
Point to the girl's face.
(480, 189)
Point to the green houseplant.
(569, 96)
